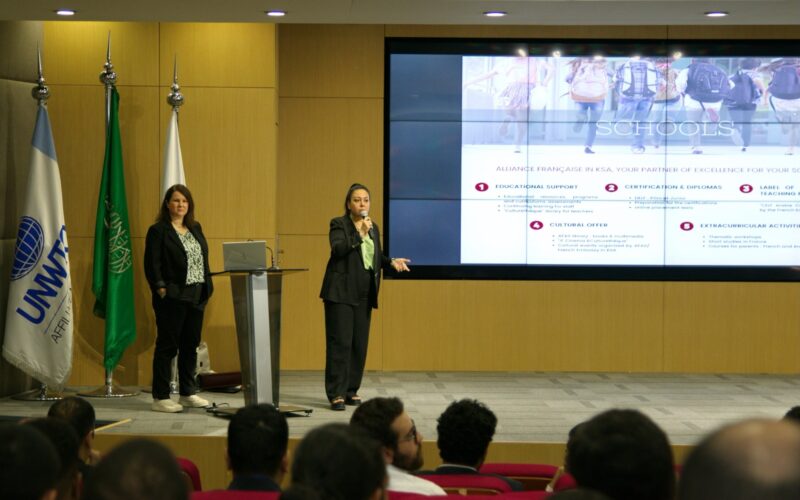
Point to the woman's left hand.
(400, 264)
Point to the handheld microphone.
(365, 215)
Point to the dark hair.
(339, 462)
(28, 463)
(465, 430)
(138, 469)
(623, 454)
(793, 414)
(353, 187)
(78, 413)
(375, 417)
(163, 214)
(257, 439)
(66, 443)
(752, 459)
(749, 63)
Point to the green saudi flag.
(112, 277)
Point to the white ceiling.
(521, 12)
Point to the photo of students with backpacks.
(588, 80)
(784, 97)
(742, 100)
(636, 83)
(666, 103)
(704, 86)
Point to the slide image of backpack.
(744, 92)
(707, 83)
(590, 84)
(785, 83)
(637, 80)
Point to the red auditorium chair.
(469, 484)
(192, 474)
(235, 495)
(532, 476)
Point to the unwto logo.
(30, 242)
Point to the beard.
(409, 462)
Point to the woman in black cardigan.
(350, 292)
(176, 266)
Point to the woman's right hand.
(162, 292)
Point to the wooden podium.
(257, 311)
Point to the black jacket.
(340, 283)
(165, 262)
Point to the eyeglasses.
(412, 434)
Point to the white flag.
(173, 160)
(38, 335)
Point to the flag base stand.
(41, 394)
(110, 390)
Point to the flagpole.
(175, 99)
(41, 93)
(109, 79)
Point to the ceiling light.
(276, 13)
(715, 13)
(495, 13)
(677, 55)
(65, 12)
(556, 53)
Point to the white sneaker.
(166, 406)
(193, 401)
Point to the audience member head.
(28, 464)
(465, 430)
(793, 414)
(65, 442)
(79, 413)
(623, 454)
(385, 420)
(138, 469)
(751, 459)
(339, 462)
(258, 436)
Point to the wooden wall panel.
(218, 54)
(331, 60)
(326, 145)
(77, 116)
(522, 326)
(74, 52)
(228, 139)
(731, 327)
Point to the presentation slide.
(594, 160)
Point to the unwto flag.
(173, 160)
(38, 336)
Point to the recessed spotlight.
(715, 13)
(65, 12)
(556, 53)
(276, 13)
(677, 55)
(495, 13)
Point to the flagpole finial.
(40, 92)
(175, 98)
(108, 77)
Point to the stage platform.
(531, 407)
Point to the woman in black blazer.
(350, 292)
(176, 266)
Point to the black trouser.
(179, 324)
(347, 337)
(743, 121)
